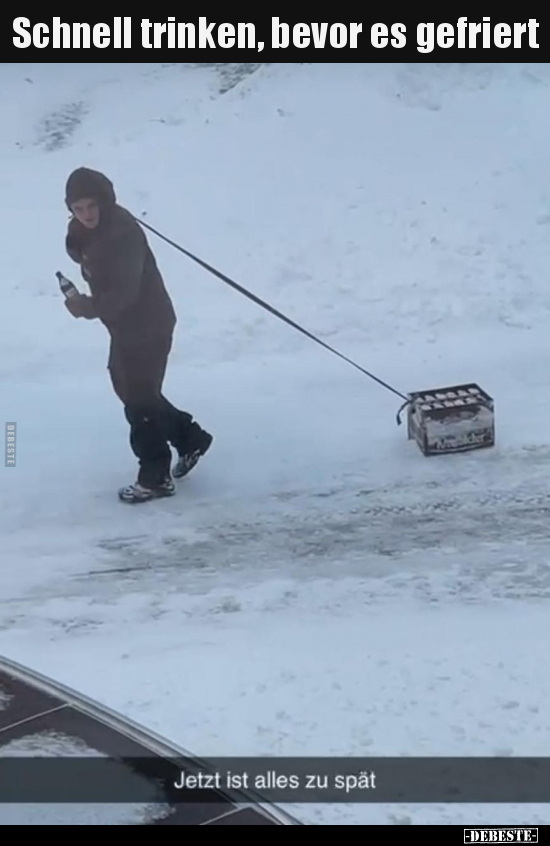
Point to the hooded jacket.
(127, 290)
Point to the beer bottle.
(67, 287)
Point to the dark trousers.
(137, 374)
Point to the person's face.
(87, 212)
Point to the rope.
(278, 314)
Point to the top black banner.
(278, 38)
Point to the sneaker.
(188, 460)
(138, 493)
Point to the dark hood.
(84, 183)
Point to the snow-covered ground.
(317, 587)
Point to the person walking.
(128, 295)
